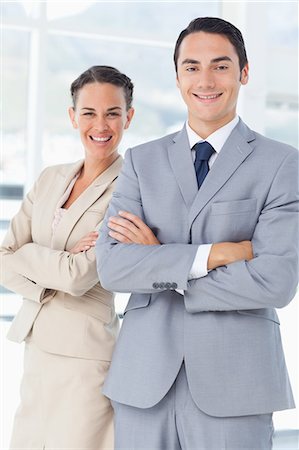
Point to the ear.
(72, 115)
(130, 114)
(244, 74)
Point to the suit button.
(174, 286)
(168, 285)
(156, 285)
(162, 285)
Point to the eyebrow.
(109, 109)
(214, 60)
(113, 108)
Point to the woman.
(67, 319)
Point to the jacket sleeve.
(135, 267)
(37, 272)
(59, 270)
(19, 234)
(271, 277)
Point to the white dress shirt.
(217, 140)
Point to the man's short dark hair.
(217, 26)
(103, 74)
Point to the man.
(199, 362)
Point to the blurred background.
(45, 45)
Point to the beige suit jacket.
(76, 317)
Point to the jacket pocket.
(100, 212)
(263, 313)
(137, 301)
(235, 207)
(89, 306)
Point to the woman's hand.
(224, 253)
(130, 229)
(85, 243)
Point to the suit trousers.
(177, 423)
(62, 406)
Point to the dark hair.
(103, 74)
(217, 26)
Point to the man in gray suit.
(199, 362)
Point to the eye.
(191, 69)
(113, 114)
(221, 68)
(90, 114)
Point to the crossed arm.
(35, 271)
(128, 228)
(269, 279)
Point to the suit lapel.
(53, 192)
(83, 202)
(235, 150)
(181, 162)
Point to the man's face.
(209, 79)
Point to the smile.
(208, 97)
(100, 139)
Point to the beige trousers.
(62, 406)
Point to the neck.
(205, 129)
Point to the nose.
(100, 124)
(205, 80)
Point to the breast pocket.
(94, 215)
(91, 220)
(234, 220)
(235, 207)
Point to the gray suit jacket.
(225, 327)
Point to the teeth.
(205, 97)
(98, 139)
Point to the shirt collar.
(216, 139)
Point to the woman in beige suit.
(67, 319)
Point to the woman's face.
(101, 117)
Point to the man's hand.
(130, 229)
(85, 243)
(224, 253)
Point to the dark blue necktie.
(204, 151)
